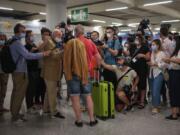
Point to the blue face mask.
(149, 42)
(120, 66)
(154, 48)
(2, 42)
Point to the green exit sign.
(79, 15)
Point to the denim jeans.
(155, 85)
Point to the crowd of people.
(141, 62)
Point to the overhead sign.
(79, 15)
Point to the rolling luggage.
(103, 97)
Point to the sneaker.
(31, 111)
(170, 117)
(129, 108)
(93, 123)
(19, 119)
(4, 110)
(155, 111)
(59, 115)
(78, 124)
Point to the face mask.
(109, 35)
(95, 40)
(154, 48)
(120, 66)
(149, 42)
(23, 41)
(58, 39)
(32, 39)
(2, 42)
(137, 42)
(22, 35)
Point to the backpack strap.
(123, 75)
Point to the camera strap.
(123, 75)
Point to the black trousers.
(33, 77)
(40, 93)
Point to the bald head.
(79, 30)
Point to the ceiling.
(134, 14)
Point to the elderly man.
(76, 70)
(51, 73)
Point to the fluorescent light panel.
(43, 13)
(120, 8)
(117, 24)
(157, 29)
(5, 8)
(99, 21)
(133, 24)
(170, 21)
(124, 30)
(158, 3)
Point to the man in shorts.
(76, 85)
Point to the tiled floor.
(139, 122)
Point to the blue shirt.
(20, 55)
(108, 57)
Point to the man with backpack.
(127, 81)
(19, 75)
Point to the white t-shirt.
(167, 46)
(157, 58)
(127, 79)
(173, 65)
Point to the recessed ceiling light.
(5, 8)
(42, 13)
(120, 8)
(116, 24)
(124, 30)
(170, 21)
(99, 21)
(158, 3)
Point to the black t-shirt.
(32, 65)
(98, 43)
(140, 66)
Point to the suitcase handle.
(98, 73)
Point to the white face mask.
(136, 42)
(109, 35)
(58, 39)
(23, 41)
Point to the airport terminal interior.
(149, 22)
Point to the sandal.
(78, 124)
(141, 106)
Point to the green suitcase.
(103, 97)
